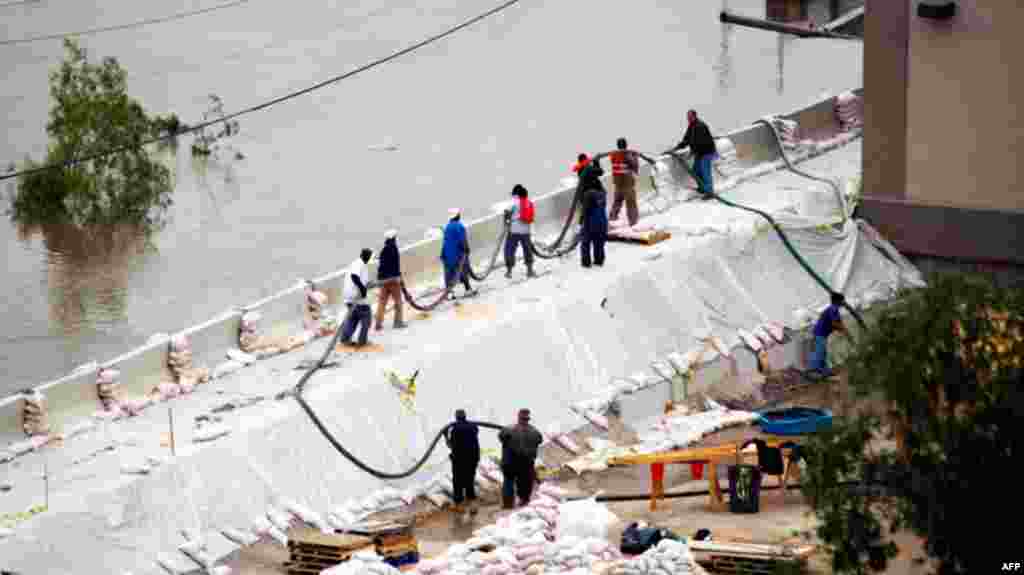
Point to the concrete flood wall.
(74, 396)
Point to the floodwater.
(510, 100)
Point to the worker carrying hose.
(519, 444)
(625, 168)
(828, 321)
(463, 439)
(698, 138)
(593, 215)
(359, 313)
(454, 249)
(520, 219)
(389, 277)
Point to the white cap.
(390, 234)
(454, 212)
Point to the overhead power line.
(129, 26)
(269, 103)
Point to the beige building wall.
(965, 86)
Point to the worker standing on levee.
(455, 249)
(359, 313)
(625, 168)
(520, 217)
(463, 440)
(389, 278)
(593, 214)
(698, 138)
(828, 321)
(519, 444)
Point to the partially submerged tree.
(946, 363)
(91, 112)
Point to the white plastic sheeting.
(720, 276)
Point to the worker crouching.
(389, 278)
(519, 444)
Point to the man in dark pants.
(593, 214)
(698, 138)
(359, 314)
(519, 445)
(463, 440)
(519, 231)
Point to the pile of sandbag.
(546, 536)
(107, 384)
(680, 429)
(250, 340)
(317, 320)
(353, 511)
(668, 557)
(789, 132)
(849, 111)
(180, 362)
(362, 563)
(34, 414)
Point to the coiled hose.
(494, 257)
(551, 251)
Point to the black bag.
(636, 540)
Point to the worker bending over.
(698, 138)
(828, 322)
(625, 168)
(519, 444)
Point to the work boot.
(378, 327)
(508, 503)
(530, 273)
(508, 273)
(400, 325)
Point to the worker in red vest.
(625, 167)
(520, 217)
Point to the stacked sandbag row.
(362, 563)
(789, 133)
(677, 430)
(850, 111)
(34, 420)
(533, 540)
(668, 557)
(180, 362)
(107, 388)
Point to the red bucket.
(697, 470)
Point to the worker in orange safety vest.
(625, 167)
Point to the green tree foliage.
(945, 363)
(91, 112)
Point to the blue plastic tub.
(795, 420)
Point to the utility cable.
(269, 103)
(139, 24)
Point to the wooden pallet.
(647, 238)
(397, 550)
(734, 565)
(337, 542)
(293, 568)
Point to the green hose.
(785, 242)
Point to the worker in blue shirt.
(828, 321)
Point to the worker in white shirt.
(359, 314)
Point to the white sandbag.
(280, 519)
(5, 532)
(135, 406)
(108, 376)
(241, 357)
(600, 421)
(307, 515)
(240, 536)
(210, 432)
(251, 320)
(584, 518)
(30, 444)
(180, 343)
(278, 536)
(220, 570)
(167, 390)
(227, 368)
(135, 468)
(193, 547)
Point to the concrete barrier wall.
(141, 370)
(70, 398)
(283, 312)
(211, 340)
